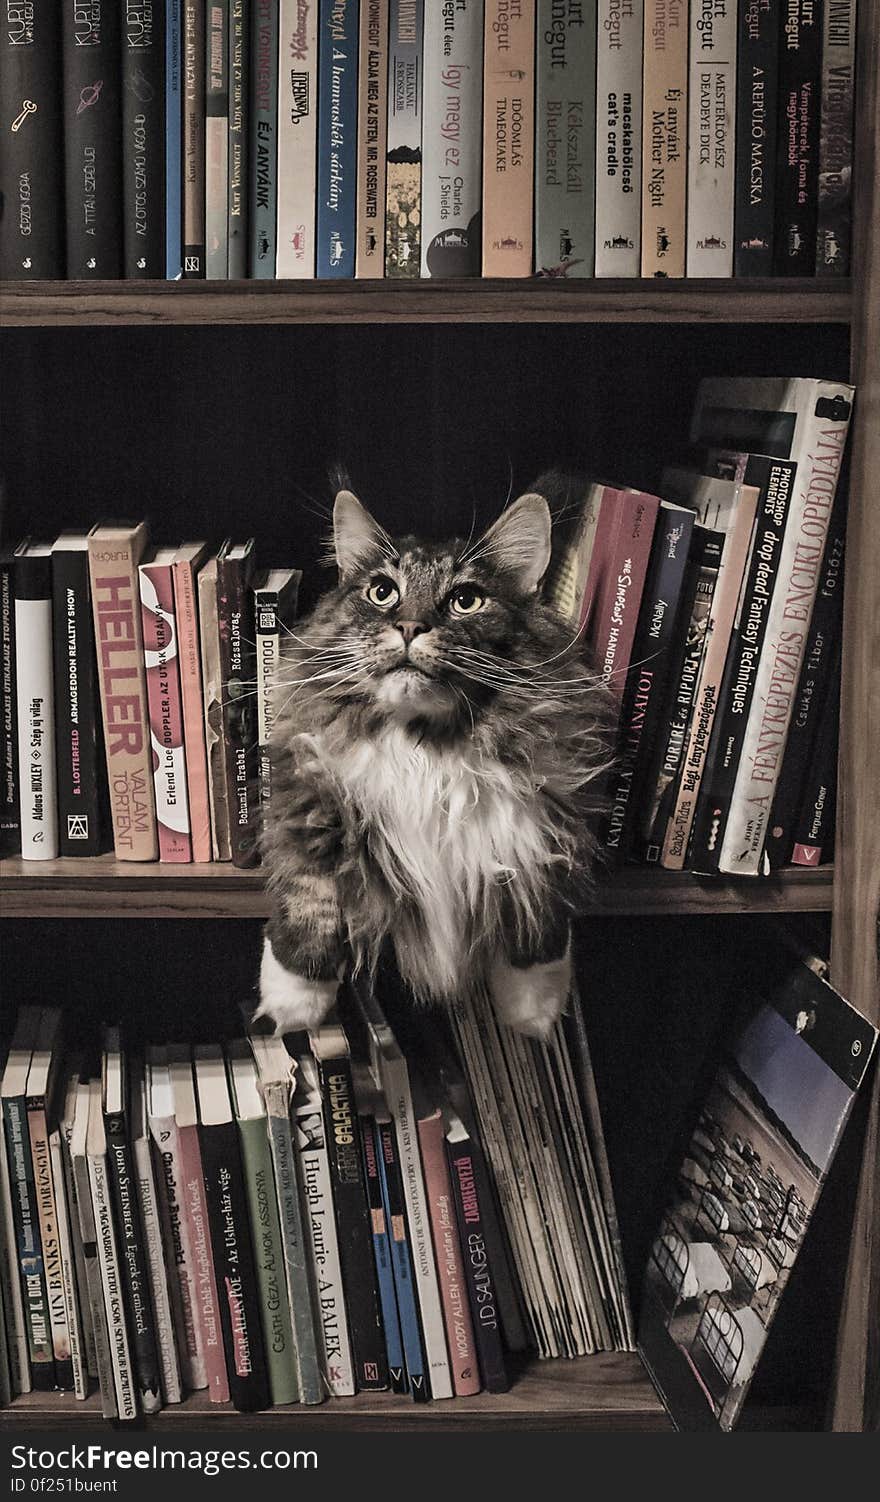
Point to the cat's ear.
(358, 539)
(519, 542)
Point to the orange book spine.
(447, 1249)
(189, 658)
(664, 138)
(508, 137)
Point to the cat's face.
(426, 626)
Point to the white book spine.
(178, 1250)
(94, 1285)
(297, 138)
(331, 1318)
(399, 1099)
(108, 1257)
(19, 1361)
(68, 1269)
(158, 1273)
(452, 106)
(619, 137)
(36, 729)
(711, 137)
(818, 452)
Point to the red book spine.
(623, 546)
(207, 1307)
(166, 713)
(190, 668)
(447, 1249)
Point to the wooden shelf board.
(599, 1392)
(103, 887)
(72, 304)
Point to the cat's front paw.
(531, 998)
(291, 1001)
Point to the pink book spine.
(207, 1305)
(620, 594)
(166, 714)
(606, 529)
(190, 666)
(453, 1291)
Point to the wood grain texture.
(104, 887)
(65, 304)
(855, 1403)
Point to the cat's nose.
(411, 629)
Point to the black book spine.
(143, 139)
(775, 481)
(194, 138)
(797, 142)
(79, 752)
(813, 835)
(235, 617)
(345, 1153)
(29, 1245)
(10, 812)
(820, 662)
(234, 1267)
(32, 217)
(755, 180)
(239, 125)
(467, 1192)
(133, 1263)
(92, 139)
(834, 233)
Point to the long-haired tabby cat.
(437, 735)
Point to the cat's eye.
(383, 592)
(467, 600)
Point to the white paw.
(291, 1001)
(532, 999)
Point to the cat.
(435, 752)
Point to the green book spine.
(259, 1179)
(296, 1253)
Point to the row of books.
(278, 1220)
(714, 615)
(369, 138)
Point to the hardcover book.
(337, 137)
(35, 701)
(618, 137)
(756, 125)
(297, 138)
(403, 178)
(185, 567)
(275, 597)
(235, 622)
(451, 219)
(664, 138)
(26, 1226)
(449, 1249)
(616, 579)
(159, 1283)
(66, 1120)
(814, 828)
(508, 138)
(368, 1101)
(39, 1101)
(711, 137)
(173, 106)
(212, 692)
(10, 1275)
(143, 140)
(263, 138)
(372, 138)
(10, 811)
(92, 112)
(565, 142)
(797, 147)
(836, 124)
(124, 1382)
(162, 664)
(92, 1291)
(31, 147)
(194, 74)
(217, 139)
(467, 1194)
(237, 154)
(394, 1205)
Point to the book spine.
(114, 1312)
(813, 835)
(208, 1289)
(31, 151)
(194, 141)
(237, 663)
(161, 659)
(508, 138)
(157, 1272)
(452, 184)
(143, 140)
(837, 119)
(756, 97)
(565, 140)
(94, 1288)
(120, 648)
(79, 1256)
(80, 1381)
(352, 1226)
(448, 1252)
(190, 669)
(173, 140)
(28, 1243)
(178, 1251)
(268, 640)
(775, 479)
(234, 1268)
(617, 605)
(263, 139)
(324, 1247)
(618, 137)
(10, 810)
(820, 661)
(237, 153)
(711, 137)
(298, 116)
(797, 146)
(664, 138)
(477, 1270)
(296, 1255)
(80, 764)
(13, 1303)
(271, 1281)
(653, 649)
(36, 727)
(382, 1257)
(403, 178)
(401, 1260)
(133, 1264)
(217, 139)
(92, 139)
(47, 1216)
(337, 138)
(372, 138)
(212, 694)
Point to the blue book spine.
(401, 1262)
(173, 142)
(337, 137)
(382, 1256)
